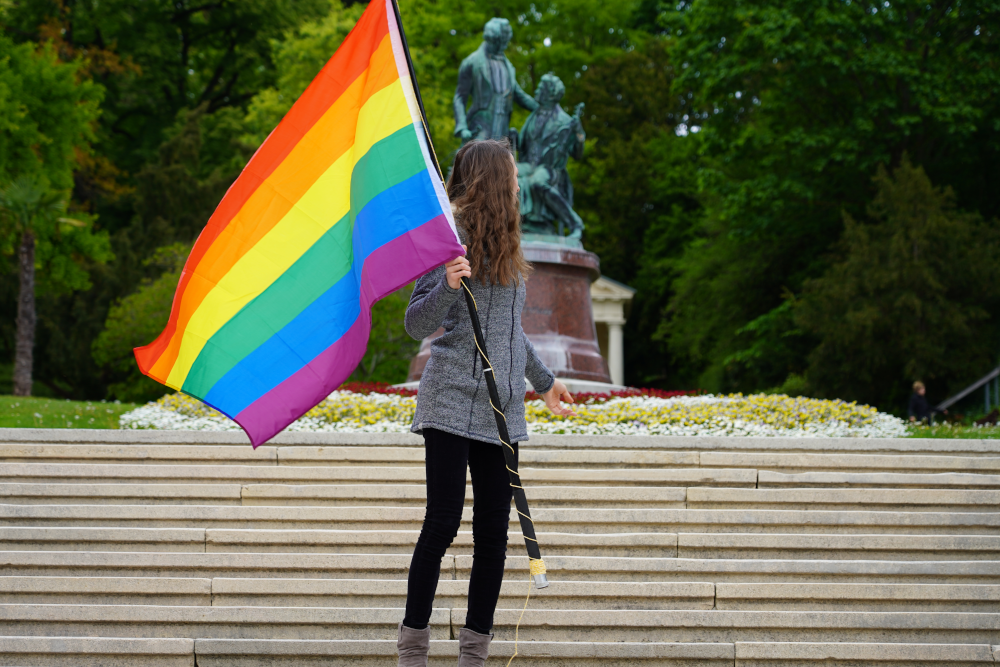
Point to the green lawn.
(32, 412)
(955, 431)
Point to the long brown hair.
(487, 211)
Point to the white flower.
(707, 415)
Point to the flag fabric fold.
(340, 206)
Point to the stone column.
(616, 352)
(608, 299)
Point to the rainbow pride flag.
(340, 206)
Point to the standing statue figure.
(488, 77)
(547, 140)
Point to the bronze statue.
(488, 77)
(547, 140)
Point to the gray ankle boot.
(412, 646)
(473, 648)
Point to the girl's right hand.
(457, 269)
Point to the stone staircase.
(164, 548)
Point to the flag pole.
(536, 565)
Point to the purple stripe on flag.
(395, 264)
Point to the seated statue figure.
(547, 140)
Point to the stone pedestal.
(557, 315)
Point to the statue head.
(497, 34)
(550, 90)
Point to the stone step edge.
(667, 442)
(748, 619)
(391, 491)
(222, 586)
(820, 652)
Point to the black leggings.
(447, 456)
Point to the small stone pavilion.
(610, 301)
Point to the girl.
(453, 406)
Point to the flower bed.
(378, 409)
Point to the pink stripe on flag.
(392, 266)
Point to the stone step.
(529, 456)
(564, 568)
(387, 457)
(256, 592)
(321, 456)
(590, 595)
(395, 495)
(200, 540)
(152, 621)
(318, 495)
(111, 652)
(414, 495)
(538, 441)
(286, 653)
(749, 570)
(88, 473)
(454, 593)
(790, 654)
(281, 653)
(621, 545)
(185, 540)
(96, 652)
(686, 545)
(200, 565)
(121, 494)
(200, 454)
(857, 597)
(170, 591)
(826, 547)
(810, 462)
(736, 626)
(559, 520)
(768, 479)
(889, 500)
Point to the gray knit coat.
(453, 396)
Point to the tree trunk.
(23, 357)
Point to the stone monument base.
(557, 315)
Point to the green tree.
(913, 294)
(637, 194)
(135, 321)
(158, 57)
(797, 102)
(46, 114)
(46, 117)
(32, 218)
(298, 58)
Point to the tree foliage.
(137, 320)
(159, 57)
(910, 295)
(797, 104)
(46, 114)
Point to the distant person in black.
(919, 410)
